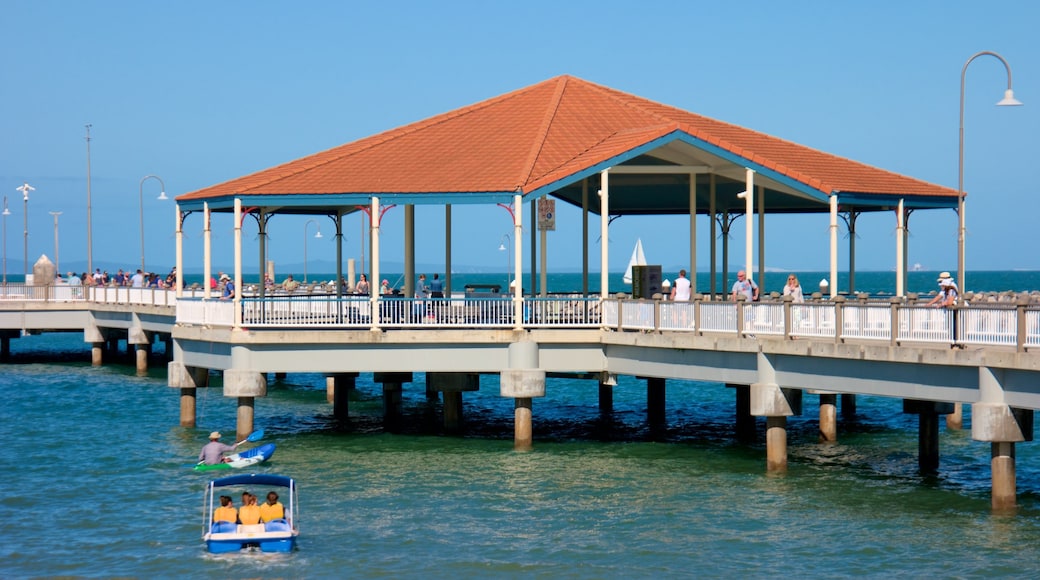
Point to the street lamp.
(25, 189)
(140, 193)
(503, 246)
(57, 267)
(316, 236)
(6, 213)
(1008, 100)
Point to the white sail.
(638, 259)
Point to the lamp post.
(1008, 100)
(6, 213)
(140, 193)
(25, 189)
(503, 246)
(57, 267)
(316, 236)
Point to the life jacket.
(225, 514)
(270, 512)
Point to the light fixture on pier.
(1008, 100)
(162, 197)
(25, 189)
(57, 262)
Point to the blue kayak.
(242, 459)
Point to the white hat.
(225, 277)
(944, 276)
(214, 435)
(665, 283)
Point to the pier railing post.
(1020, 319)
(893, 305)
(787, 300)
(839, 317)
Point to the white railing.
(637, 314)
(678, 316)
(718, 317)
(869, 321)
(812, 320)
(925, 324)
(763, 318)
(987, 326)
(1011, 325)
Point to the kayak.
(242, 459)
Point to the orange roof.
(547, 136)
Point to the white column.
(178, 224)
(693, 233)
(544, 257)
(604, 221)
(518, 255)
(207, 256)
(235, 298)
(900, 239)
(834, 244)
(749, 216)
(373, 290)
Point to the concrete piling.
(828, 417)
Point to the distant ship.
(916, 267)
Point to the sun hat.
(225, 277)
(944, 276)
(387, 282)
(214, 435)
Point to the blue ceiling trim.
(348, 200)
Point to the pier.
(771, 353)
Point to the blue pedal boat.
(277, 535)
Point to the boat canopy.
(253, 479)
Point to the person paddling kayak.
(213, 452)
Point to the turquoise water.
(99, 485)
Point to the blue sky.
(201, 92)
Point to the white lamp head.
(162, 196)
(1009, 100)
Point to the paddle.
(253, 437)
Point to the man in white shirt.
(681, 288)
(137, 280)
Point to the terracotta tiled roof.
(541, 135)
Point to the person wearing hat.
(384, 288)
(213, 452)
(948, 292)
(229, 287)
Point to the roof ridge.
(366, 143)
(543, 131)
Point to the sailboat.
(638, 259)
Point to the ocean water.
(99, 485)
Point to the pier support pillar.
(452, 385)
(994, 421)
(5, 347)
(744, 420)
(522, 432)
(828, 417)
(393, 386)
(848, 406)
(280, 376)
(244, 414)
(955, 420)
(342, 385)
(775, 403)
(927, 430)
(187, 407)
(607, 382)
(655, 401)
(246, 385)
(522, 380)
(187, 379)
(92, 334)
(141, 357)
(776, 444)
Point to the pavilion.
(607, 152)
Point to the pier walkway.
(985, 355)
